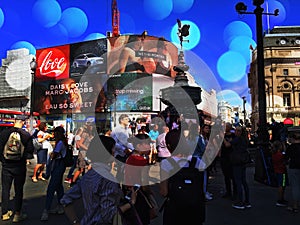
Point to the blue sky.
(219, 40)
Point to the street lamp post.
(261, 170)
(244, 109)
(33, 66)
(241, 8)
(115, 108)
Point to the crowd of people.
(111, 171)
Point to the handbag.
(154, 207)
(129, 217)
(153, 211)
(36, 144)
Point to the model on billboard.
(72, 95)
(141, 54)
(42, 101)
(162, 59)
(129, 62)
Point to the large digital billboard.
(72, 95)
(89, 54)
(80, 77)
(131, 92)
(141, 54)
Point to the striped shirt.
(99, 193)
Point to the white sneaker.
(208, 196)
(45, 215)
(19, 218)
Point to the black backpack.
(68, 159)
(185, 187)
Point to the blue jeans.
(56, 182)
(239, 174)
(17, 175)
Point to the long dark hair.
(59, 135)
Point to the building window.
(286, 99)
(285, 72)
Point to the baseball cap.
(21, 117)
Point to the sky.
(217, 48)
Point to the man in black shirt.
(226, 166)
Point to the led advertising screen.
(141, 54)
(130, 92)
(88, 55)
(73, 78)
(84, 94)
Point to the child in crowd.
(280, 170)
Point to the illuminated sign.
(53, 63)
(137, 54)
(131, 91)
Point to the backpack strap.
(175, 164)
(192, 163)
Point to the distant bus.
(7, 118)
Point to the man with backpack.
(15, 147)
(181, 183)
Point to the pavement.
(218, 210)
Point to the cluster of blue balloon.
(158, 11)
(232, 65)
(70, 23)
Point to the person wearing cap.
(57, 169)
(14, 171)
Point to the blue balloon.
(1, 18)
(271, 21)
(231, 66)
(24, 44)
(180, 6)
(229, 96)
(193, 38)
(234, 29)
(242, 44)
(46, 12)
(158, 10)
(75, 21)
(58, 35)
(94, 36)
